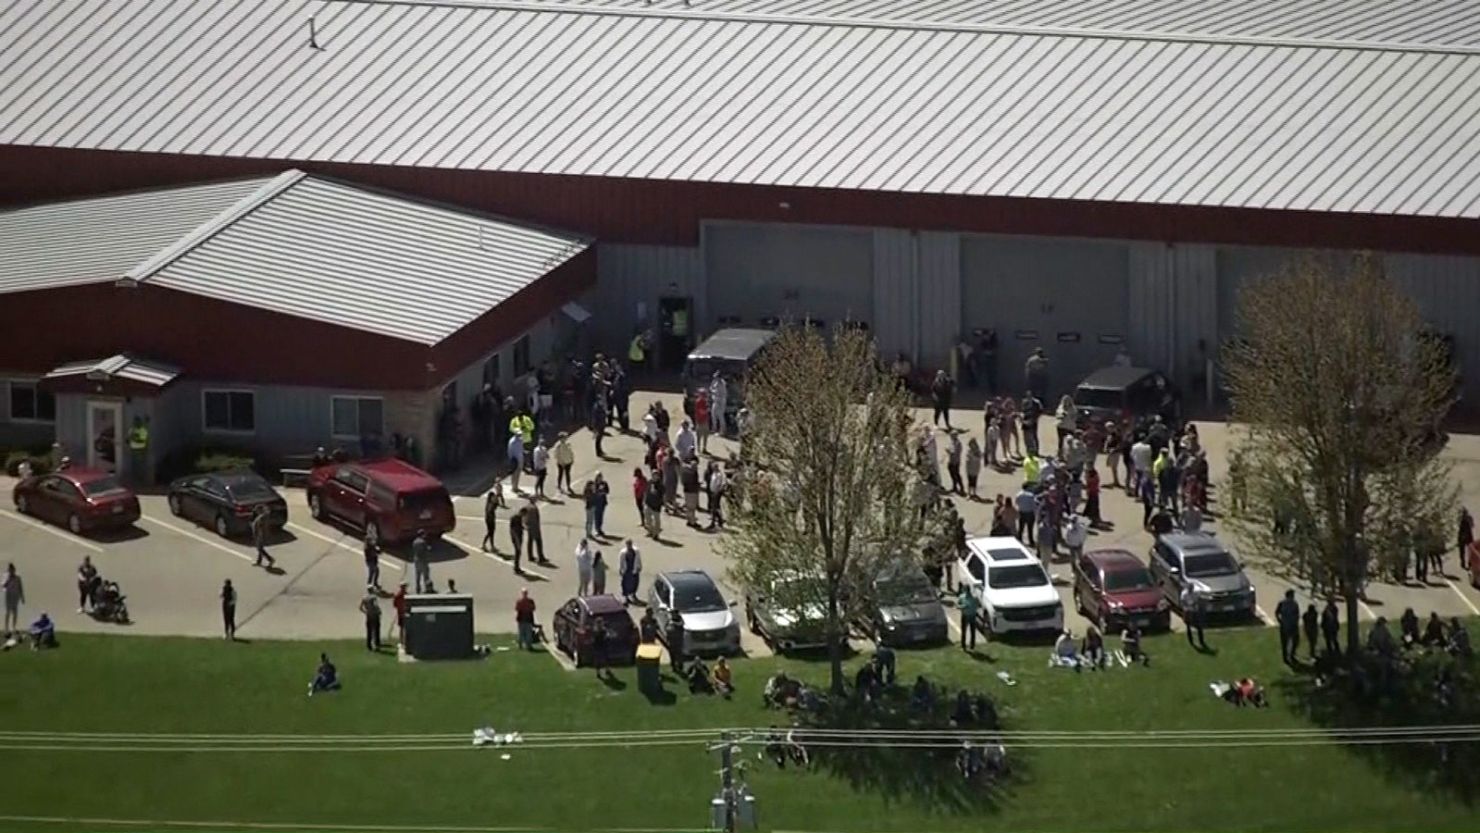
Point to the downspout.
(916, 343)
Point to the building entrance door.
(675, 331)
(104, 433)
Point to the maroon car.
(79, 499)
(1113, 587)
(576, 621)
(390, 500)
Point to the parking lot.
(172, 570)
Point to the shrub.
(222, 460)
(40, 462)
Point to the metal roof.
(309, 247)
(87, 241)
(121, 366)
(1437, 22)
(804, 101)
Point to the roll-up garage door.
(761, 271)
(1070, 297)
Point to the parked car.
(226, 501)
(80, 499)
(709, 625)
(1127, 395)
(390, 500)
(1216, 576)
(1014, 591)
(576, 621)
(786, 614)
(907, 610)
(1113, 588)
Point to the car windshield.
(1136, 579)
(697, 597)
(249, 488)
(905, 590)
(1098, 398)
(1017, 575)
(102, 486)
(1206, 565)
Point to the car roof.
(1113, 560)
(1193, 543)
(735, 343)
(82, 475)
(398, 474)
(1001, 549)
(235, 476)
(601, 605)
(687, 578)
(1115, 377)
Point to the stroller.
(109, 604)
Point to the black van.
(1127, 396)
(731, 352)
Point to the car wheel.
(315, 506)
(74, 524)
(175, 508)
(221, 528)
(22, 505)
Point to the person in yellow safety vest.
(637, 350)
(138, 446)
(523, 425)
(1032, 466)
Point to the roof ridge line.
(692, 13)
(215, 225)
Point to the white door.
(104, 434)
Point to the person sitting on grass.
(724, 678)
(922, 696)
(1408, 626)
(779, 691)
(1130, 645)
(1459, 639)
(986, 712)
(970, 761)
(1433, 633)
(1245, 692)
(866, 683)
(698, 678)
(43, 633)
(1065, 652)
(962, 714)
(1380, 639)
(326, 678)
(1094, 648)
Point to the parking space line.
(384, 562)
(1263, 617)
(559, 656)
(472, 550)
(65, 536)
(1462, 597)
(198, 538)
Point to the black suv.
(1128, 396)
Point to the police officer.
(260, 525)
(138, 447)
(674, 637)
(637, 352)
(1192, 617)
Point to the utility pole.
(727, 779)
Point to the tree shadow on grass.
(1406, 695)
(906, 769)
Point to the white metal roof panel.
(358, 258)
(120, 366)
(1361, 106)
(96, 240)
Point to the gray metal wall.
(630, 275)
(917, 294)
(1069, 297)
(1174, 306)
(756, 271)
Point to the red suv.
(1113, 587)
(389, 499)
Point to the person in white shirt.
(649, 428)
(717, 485)
(719, 391)
(541, 462)
(1141, 460)
(583, 567)
(685, 443)
(1075, 535)
(565, 458)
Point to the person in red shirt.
(398, 603)
(524, 618)
(1092, 496)
(639, 491)
(701, 420)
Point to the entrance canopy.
(121, 373)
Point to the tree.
(1339, 395)
(827, 480)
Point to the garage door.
(1237, 267)
(797, 272)
(1070, 297)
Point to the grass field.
(102, 684)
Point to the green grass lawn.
(102, 684)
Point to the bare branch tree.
(1335, 472)
(827, 493)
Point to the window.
(522, 364)
(29, 403)
(357, 416)
(351, 479)
(491, 371)
(230, 410)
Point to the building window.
(29, 403)
(230, 410)
(357, 416)
(491, 371)
(521, 356)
